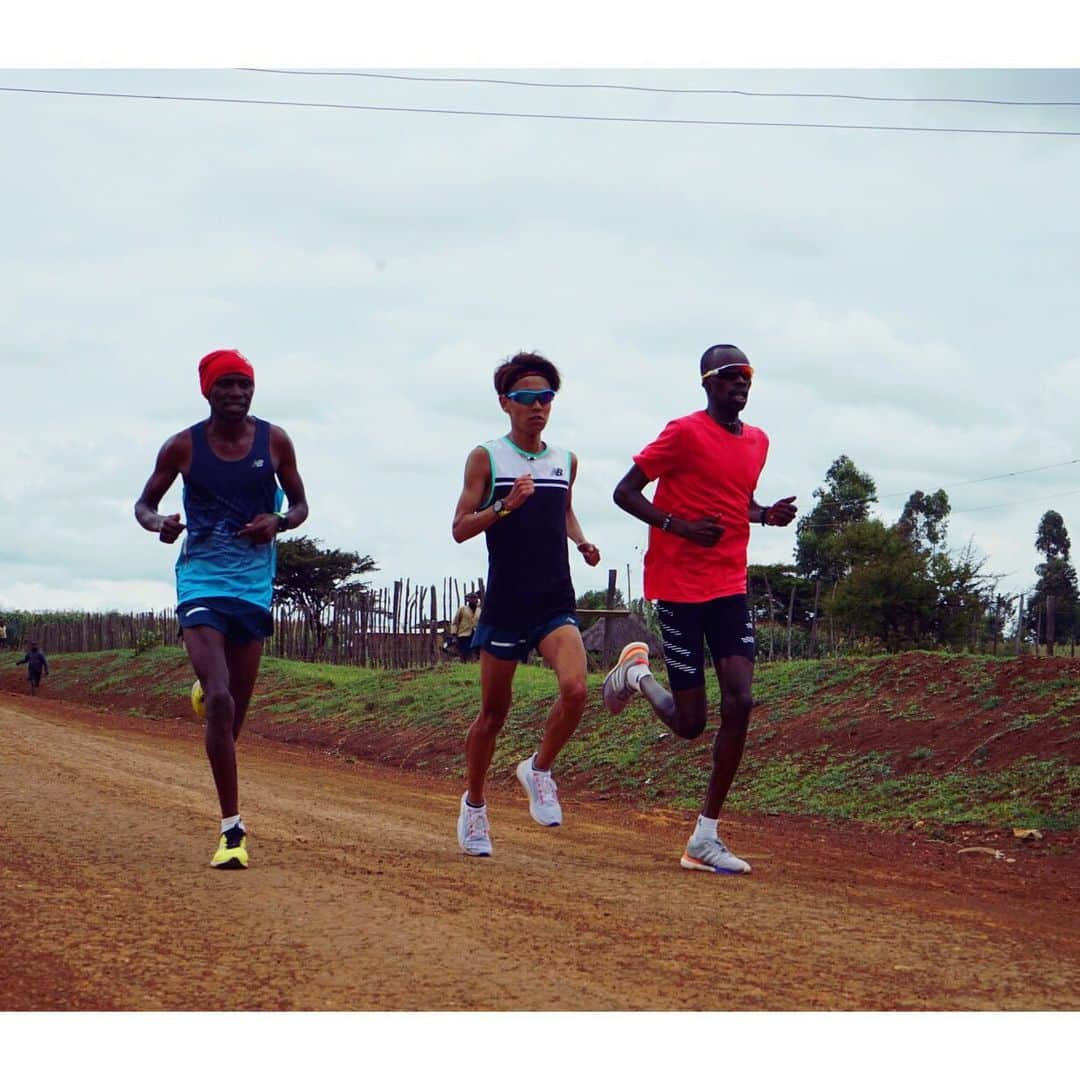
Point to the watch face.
(497, 506)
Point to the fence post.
(609, 625)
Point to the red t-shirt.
(703, 471)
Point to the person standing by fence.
(231, 465)
(517, 492)
(463, 624)
(36, 665)
(707, 465)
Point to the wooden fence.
(400, 626)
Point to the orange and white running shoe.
(617, 691)
(712, 855)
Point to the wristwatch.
(500, 508)
(283, 521)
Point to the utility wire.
(532, 116)
(655, 89)
(998, 476)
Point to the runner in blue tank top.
(231, 465)
(518, 493)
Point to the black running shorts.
(724, 623)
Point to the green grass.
(633, 755)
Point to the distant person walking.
(231, 464)
(707, 466)
(3, 635)
(463, 624)
(517, 492)
(36, 666)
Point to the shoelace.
(476, 824)
(545, 787)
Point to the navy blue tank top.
(220, 498)
(528, 563)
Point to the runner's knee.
(574, 693)
(688, 722)
(490, 721)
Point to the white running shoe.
(712, 855)
(617, 691)
(543, 794)
(473, 831)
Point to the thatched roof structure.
(624, 629)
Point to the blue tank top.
(220, 498)
(528, 563)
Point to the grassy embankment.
(890, 740)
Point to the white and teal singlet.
(528, 579)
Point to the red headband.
(219, 363)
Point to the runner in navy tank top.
(232, 464)
(518, 493)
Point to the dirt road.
(359, 899)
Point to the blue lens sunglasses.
(530, 397)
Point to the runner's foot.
(473, 831)
(231, 851)
(543, 794)
(617, 691)
(712, 855)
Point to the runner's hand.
(589, 552)
(705, 532)
(171, 528)
(261, 529)
(522, 489)
(782, 512)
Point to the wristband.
(283, 520)
(765, 515)
(667, 524)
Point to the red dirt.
(358, 898)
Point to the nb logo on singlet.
(257, 463)
(556, 472)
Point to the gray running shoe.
(473, 831)
(617, 691)
(543, 794)
(712, 855)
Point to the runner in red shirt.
(706, 466)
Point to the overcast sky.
(907, 298)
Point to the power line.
(657, 89)
(533, 116)
(999, 476)
(804, 524)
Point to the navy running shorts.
(513, 644)
(724, 623)
(238, 620)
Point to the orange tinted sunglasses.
(730, 371)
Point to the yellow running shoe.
(231, 851)
(198, 700)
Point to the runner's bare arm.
(262, 528)
(782, 512)
(628, 496)
(589, 552)
(469, 519)
(173, 459)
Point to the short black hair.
(521, 364)
(717, 355)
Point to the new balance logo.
(557, 472)
(257, 463)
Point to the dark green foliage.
(310, 579)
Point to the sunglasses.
(530, 397)
(730, 371)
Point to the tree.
(844, 500)
(1056, 577)
(924, 519)
(310, 579)
(597, 600)
(886, 595)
